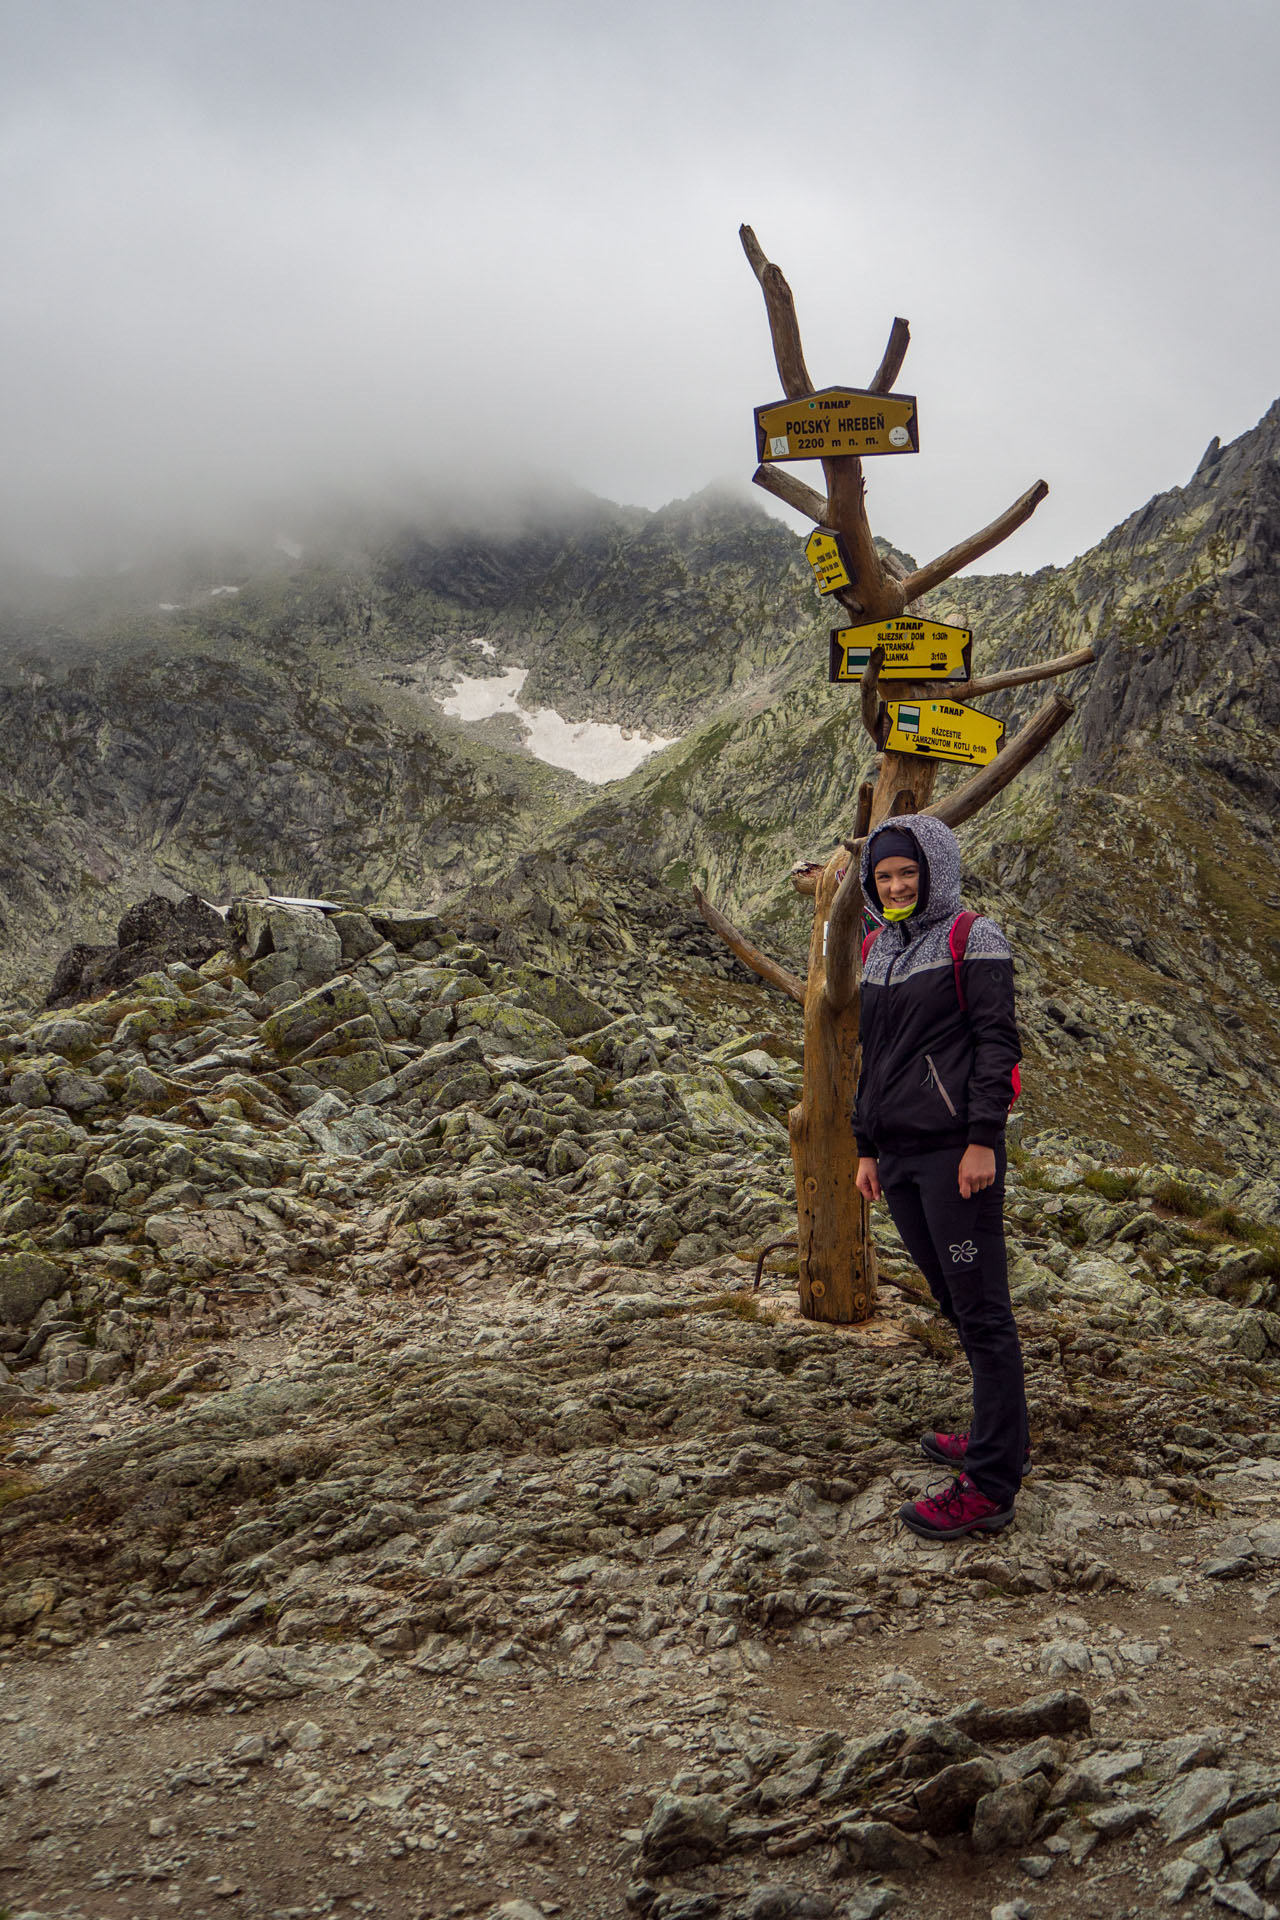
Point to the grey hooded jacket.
(933, 1074)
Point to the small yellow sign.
(913, 650)
(839, 420)
(944, 729)
(825, 553)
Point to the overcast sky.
(283, 245)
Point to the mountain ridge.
(415, 1471)
(285, 739)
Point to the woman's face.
(897, 881)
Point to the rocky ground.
(409, 1507)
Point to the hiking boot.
(945, 1449)
(949, 1450)
(957, 1510)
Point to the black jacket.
(932, 1074)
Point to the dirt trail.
(381, 1787)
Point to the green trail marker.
(943, 730)
(913, 650)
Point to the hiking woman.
(939, 1052)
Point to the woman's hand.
(867, 1178)
(977, 1170)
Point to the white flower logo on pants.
(963, 1254)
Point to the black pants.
(958, 1246)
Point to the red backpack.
(957, 941)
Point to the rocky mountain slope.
(408, 1505)
(227, 753)
(1135, 862)
(1180, 603)
(278, 732)
(285, 737)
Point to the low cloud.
(257, 256)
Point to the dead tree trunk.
(837, 1263)
(837, 1260)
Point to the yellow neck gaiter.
(900, 913)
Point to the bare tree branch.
(930, 576)
(754, 251)
(992, 682)
(894, 355)
(874, 592)
(784, 486)
(969, 799)
(783, 325)
(805, 875)
(750, 955)
(1022, 676)
(843, 942)
(869, 688)
(862, 814)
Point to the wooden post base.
(837, 1261)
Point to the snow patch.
(596, 750)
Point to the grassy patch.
(1110, 1184)
(1221, 1224)
(1035, 1173)
(143, 1384)
(931, 1336)
(1117, 971)
(907, 1281)
(1179, 1196)
(21, 1418)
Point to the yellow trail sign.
(825, 553)
(943, 729)
(837, 421)
(913, 650)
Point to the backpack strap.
(957, 941)
(868, 941)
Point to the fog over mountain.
(309, 252)
(422, 1488)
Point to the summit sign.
(837, 421)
